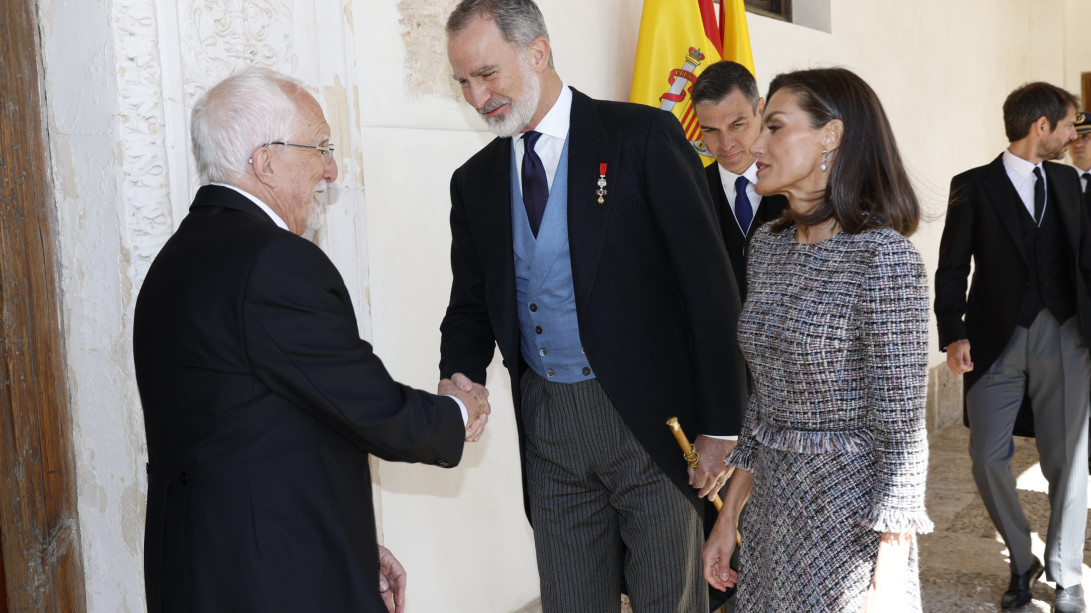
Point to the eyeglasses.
(326, 151)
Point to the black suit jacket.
(983, 223)
(655, 297)
(769, 209)
(261, 404)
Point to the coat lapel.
(489, 192)
(1005, 201)
(589, 147)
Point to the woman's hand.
(716, 554)
(887, 591)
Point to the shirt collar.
(728, 178)
(556, 121)
(261, 205)
(1018, 165)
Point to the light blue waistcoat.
(548, 325)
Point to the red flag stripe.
(712, 28)
(688, 118)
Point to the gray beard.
(316, 216)
(521, 111)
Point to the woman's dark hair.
(867, 186)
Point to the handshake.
(476, 399)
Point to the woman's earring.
(824, 165)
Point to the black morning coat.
(261, 405)
(655, 296)
(982, 222)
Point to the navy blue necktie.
(1086, 182)
(535, 186)
(743, 211)
(1039, 195)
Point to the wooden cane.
(689, 452)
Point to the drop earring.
(824, 165)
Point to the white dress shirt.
(1021, 174)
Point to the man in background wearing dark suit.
(261, 402)
(1022, 221)
(584, 245)
(729, 109)
(1080, 153)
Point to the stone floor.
(964, 564)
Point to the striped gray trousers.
(602, 510)
(1050, 362)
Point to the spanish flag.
(678, 38)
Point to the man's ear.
(1041, 125)
(264, 165)
(761, 107)
(832, 138)
(538, 53)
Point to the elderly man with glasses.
(261, 402)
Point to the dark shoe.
(1069, 599)
(1018, 593)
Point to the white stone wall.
(121, 76)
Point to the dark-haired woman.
(833, 454)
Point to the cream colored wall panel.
(464, 526)
(406, 51)
(1077, 40)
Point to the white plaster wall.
(121, 76)
(81, 93)
(1077, 40)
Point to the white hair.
(239, 114)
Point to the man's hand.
(476, 399)
(711, 473)
(391, 581)
(958, 357)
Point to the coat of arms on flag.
(678, 38)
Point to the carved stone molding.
(222, 36)
(145, 183)
(427, 72)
